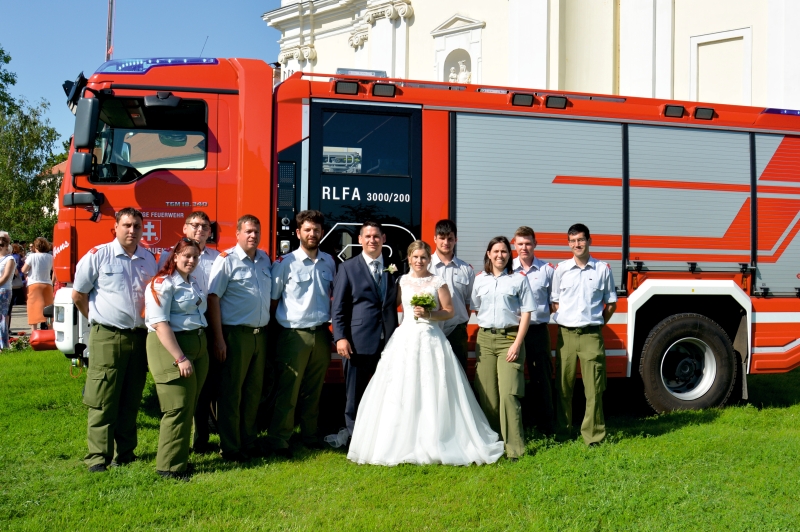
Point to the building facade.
(722, 51)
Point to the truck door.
(364, 163)
(161, 159)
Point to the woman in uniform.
(177, 353)
(504, 302)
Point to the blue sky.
(52, 41)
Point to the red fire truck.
(696, 207)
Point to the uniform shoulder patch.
(551, 265)
(607, 265)
(279, 259)
(159, 280)
(523, 273)
(470, 266)
(95, 249)
(223, 254)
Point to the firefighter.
(302, 283)
(197, 227)
(238, 311)
(177, 352)
(460, 278)
(583, 300)
(110, 282)
(504, 303)
(539, 275)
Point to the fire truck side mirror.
(86, 123)
(81, 164)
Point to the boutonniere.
(391, 269)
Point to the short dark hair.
(41, 244)
(129, 211)
(310, 215)
(524, 230)
(371, 223)
(487, 264)
(574, 229)
(247, 218)
(198, 214)
(446, 227)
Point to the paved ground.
(19, 320)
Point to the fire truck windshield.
(133, 139)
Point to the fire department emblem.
(152, 232)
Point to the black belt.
(309, 329)
(588, 329)
(193, 332)
(532, 325)
(247, 328)
(117, 329)
(499, 330)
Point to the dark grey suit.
(360, 315)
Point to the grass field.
(729, 469)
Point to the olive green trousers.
(115, 380)
(500, 385)
(584, 344)
(301, 362)
(240, 387)
(177, 395)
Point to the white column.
(783, 50)
(664, 43)
(381, 45)
(400, 60)
(528, 43)
(645, 48)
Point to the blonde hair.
(417, 245)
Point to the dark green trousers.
(301, 362)
(500, 385)
(540, 376)
(177, 395)
(458, 342)
(584, 344)
(240, 387)
(113, 392)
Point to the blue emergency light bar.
(774, 111)
(141, 66)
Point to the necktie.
(376, 276)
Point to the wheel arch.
(656, 299)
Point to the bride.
(419, 408)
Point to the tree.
(27, 141)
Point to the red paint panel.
(775, 363)
(435, 170)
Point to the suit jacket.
(357, 312)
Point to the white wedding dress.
(419, 408)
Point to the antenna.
(110, 31)
(204, 46)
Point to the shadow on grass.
(776, 390)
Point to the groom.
(364, 314)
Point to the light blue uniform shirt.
(540, 279)
(500, 300)
(182, 304)
(115, 283)
(581, 294)
(203, 270)
(460, 278)
(303, 288)
(243, 286)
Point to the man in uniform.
(459, 277)
(583, 300)
(197, 227)
(539, 275)
(302, 283)
(238, 313)
(109, 288)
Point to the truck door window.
(133, 140)
(363, 143)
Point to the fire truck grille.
(285, 198)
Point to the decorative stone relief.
(391, 9)
(298, 53)
(358, 37)
(464, 76)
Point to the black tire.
(687, 363)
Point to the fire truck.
(695, 207)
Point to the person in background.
(39, 269)
(110, 282)
(177, 353)
(460, 277)
(7, 267)
(18, 285)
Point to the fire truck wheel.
(687, 363)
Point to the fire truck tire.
(687, 363)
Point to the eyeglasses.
(577, 241)
(204, 227)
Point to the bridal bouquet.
(425, 301)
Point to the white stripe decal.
(785, 348)
(776, 317)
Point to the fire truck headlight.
(387, 90)
(346, 87)
(704, 113)
(673, 111)
(556, 102)
(523, 100)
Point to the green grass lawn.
(729, 469)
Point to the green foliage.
(27, 142)
(725, 469)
